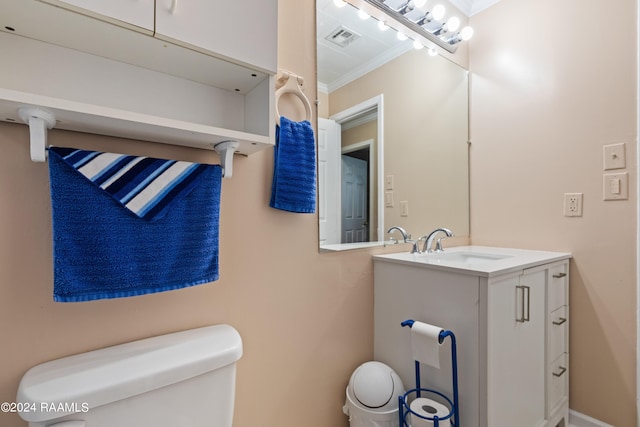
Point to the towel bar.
(39, 122)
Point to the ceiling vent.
(342, 36)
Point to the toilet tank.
(184, 379)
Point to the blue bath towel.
(126, 225)
(294, 171)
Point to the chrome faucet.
(429, 238)
(406, 238)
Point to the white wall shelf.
(98, 74)
(81, 117)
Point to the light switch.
(388, 199)
(615, 186)
(614, 156)
(404, 208)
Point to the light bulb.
(339, 3)
(432, 51)
(466, 33)
(419, 3)
(363, 15)
(382, 26)
(438, 12)
(417, 45)
(401, 36)
(453, 24)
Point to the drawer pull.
(560, 372)
(525, 308)
(560, 321)
(559, 275)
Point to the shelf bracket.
(39, 122)
(226, 149)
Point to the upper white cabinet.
(245, 31)
(139, 14)
(191, 73)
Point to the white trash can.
(372, 396)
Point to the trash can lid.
(375, 385)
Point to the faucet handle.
(439, 245)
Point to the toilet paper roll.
(425, 342)
(428, 408)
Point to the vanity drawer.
(558, 383)
(557, 328)
(558, 285)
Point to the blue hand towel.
(294, 171)
(126, 225)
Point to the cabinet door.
(136, 13)
(516, 351)
(244, 32)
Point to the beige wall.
(548, 91)
(538, 124)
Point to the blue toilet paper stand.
(403, 404)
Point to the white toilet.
(184, 379)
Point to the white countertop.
(483, 261)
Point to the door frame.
(377, 102)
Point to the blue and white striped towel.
(126, 225)
(144, 185)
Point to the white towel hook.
(293, 84)
(226, 149)
(39, 121)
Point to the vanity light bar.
(450, 44)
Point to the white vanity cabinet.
(182, 72)
(502, 312)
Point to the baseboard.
(576, 419)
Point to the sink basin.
(467, 257)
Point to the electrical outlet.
(572, 204)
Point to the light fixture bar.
(408, 23)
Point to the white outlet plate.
(388, 182)
(572, 204)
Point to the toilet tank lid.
(99, 377)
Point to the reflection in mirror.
(406, 109)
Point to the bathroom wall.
(305, 318)
(541, 112)
(550, 87)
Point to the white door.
(329, 181)
(354, 200)
(516, 351)
(139, 13)
(242, 31)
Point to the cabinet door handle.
(525, 308)
(560, 321)
(173, 7)
(559, 275)
(560, 372)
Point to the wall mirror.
(392, 134)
